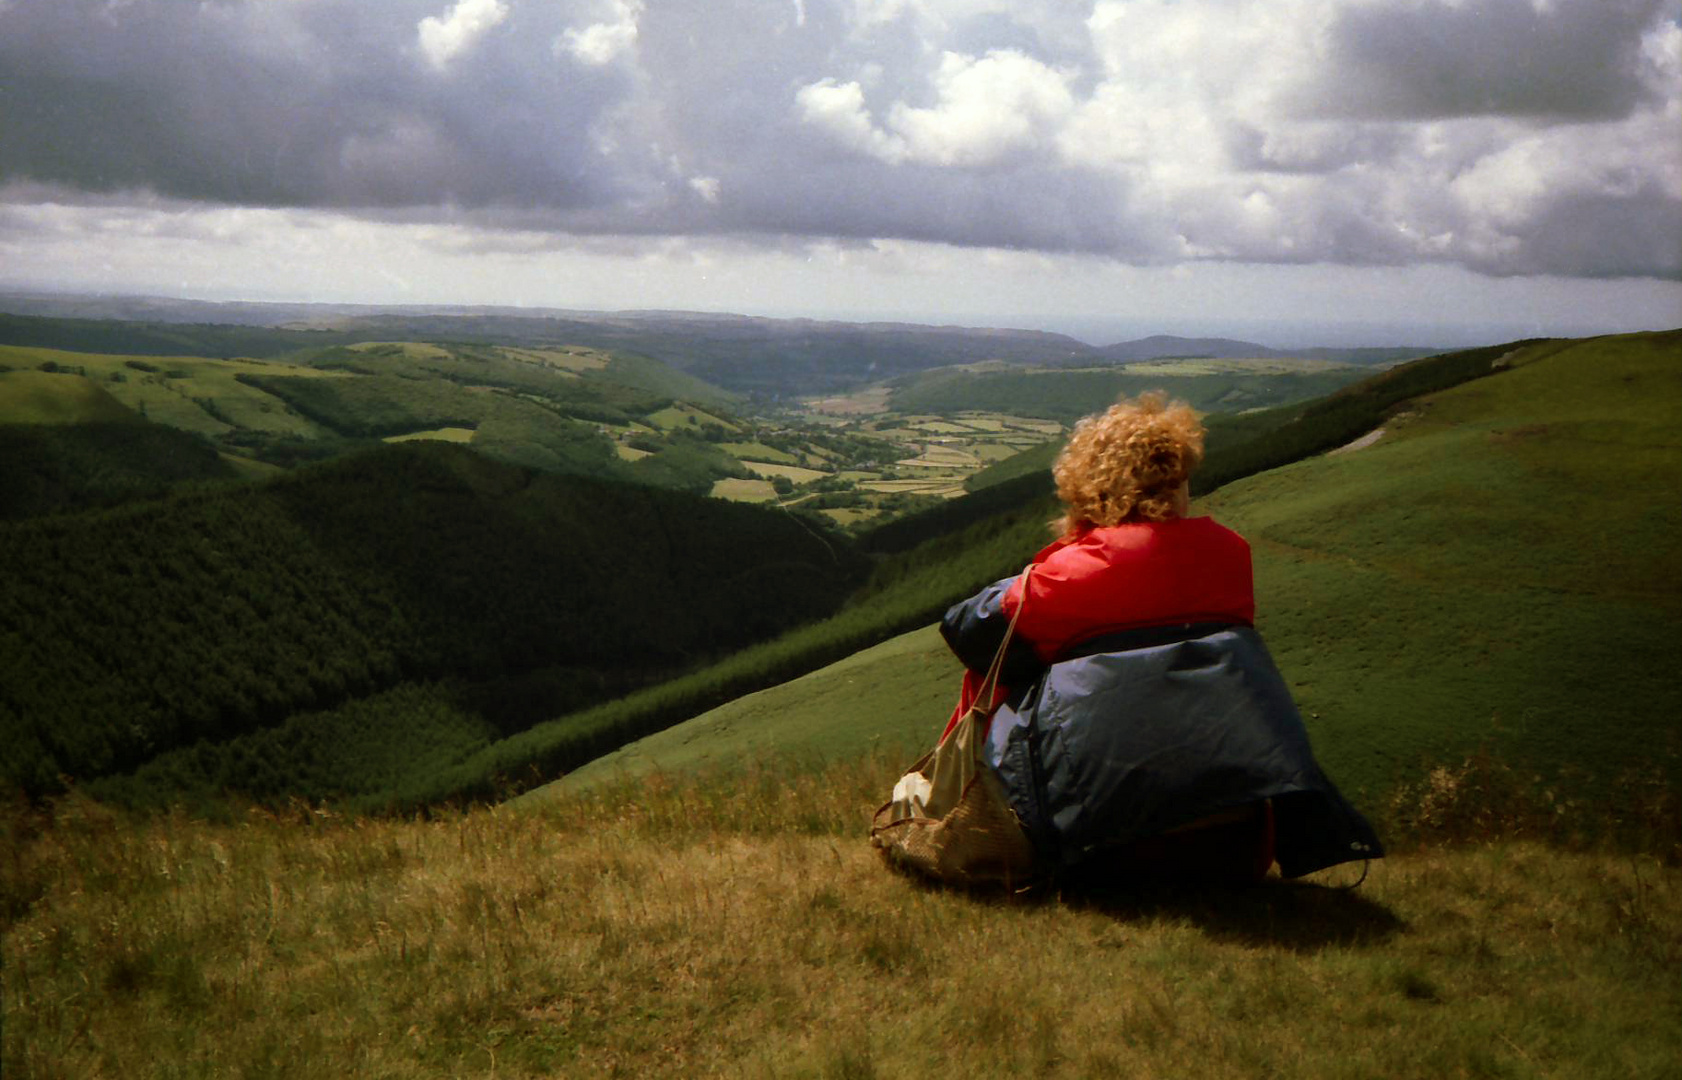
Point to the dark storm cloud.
(306, 104)
(1592, 234)
(1129, 130)
(1433, 59)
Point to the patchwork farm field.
(515, 403)
(195, 394)
(879, 452)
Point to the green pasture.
(193, 393)
(893, 697)
(994, 452)
(741, 490)
(943, 457)
(845, 516)
(443, 434)
(574, 358)
(1500, 572)
(1240, 366)
(1057, 394)
(793, 472)
(41, 397)
(683, 415)
(758, 451)
(251, 468)
(944, 486)
(408, 350)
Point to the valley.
(412, 722)
(418, 499)
(784, 426)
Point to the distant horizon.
(1097, 331)
(1338, 173)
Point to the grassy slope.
(175, 391)
(898, 685)
(1488, 571)
(746, 929)
(1069, 395)
(1461, 582)
(40, 397)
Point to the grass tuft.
(738, 924)
(1484, 796)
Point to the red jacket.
(1122, 577)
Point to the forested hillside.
(52, 468)
(161, 338)
(512, 594)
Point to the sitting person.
(1140, 715)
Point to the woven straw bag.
(949, 817)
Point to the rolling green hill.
(557, 409)
(1502, 568)
(324, 598)
(48, 397)
(1224, 386)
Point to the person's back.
(1138, 712)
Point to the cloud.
(443, 39)
(1435, 59)
(1505, 136)
(707, 187)
(838, 109)
(603, 42)
(986, 110)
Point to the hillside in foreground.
(745, 929)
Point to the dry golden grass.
(743, 927)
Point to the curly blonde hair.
(1127, 463)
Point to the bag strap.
(990, 684)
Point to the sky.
(1291, 171)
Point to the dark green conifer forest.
(513, 594)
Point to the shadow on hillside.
(1293, 915)
(1296, 915)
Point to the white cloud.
(443, 39)
(708, 187)
(839, 110)
(987, 110)
(603, 42)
